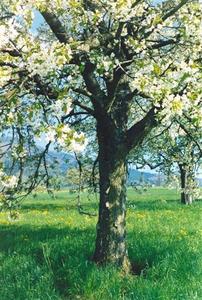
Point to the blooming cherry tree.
(174, 149)
(127, 65)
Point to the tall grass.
(46, 253)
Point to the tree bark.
(186, 195)
(111, 232)
(115, 141)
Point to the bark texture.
(186, 179)
(115, 142)
(111, 232)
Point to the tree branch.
(84, 107)
(138, 131)
(174, 10)
(11, 52)
(56, 26)
(191, 136)
(163, 43)
(98, 96)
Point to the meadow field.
(46, 254)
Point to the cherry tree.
(174, 149)
(126, 65)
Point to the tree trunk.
(111, 233)
(186, 195)
(115, 141)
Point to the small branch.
(82, 212)
(56, 26)
(82, 92)
(191, 136)
(174, 10)
(91, 81)
(84, 107)
(138, 131)
(163, 43)
(92, 178)
(11, 52)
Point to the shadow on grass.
(64, 252)
(157, 205)
(77, 244)
(152, 205)
(43, 206)
(15, 237)
(57, 206)
(140, 205)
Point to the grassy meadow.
(46, 253)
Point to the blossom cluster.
(66, 138)
(7, 181)
(44, 59)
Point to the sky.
(38, 20)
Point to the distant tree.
(175, 149)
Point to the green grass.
(46, 254)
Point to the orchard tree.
(174, 149)
(129, 65)
(188, 145)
